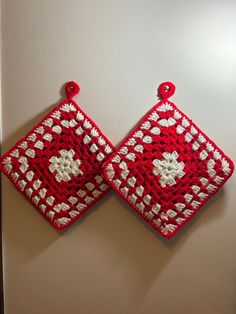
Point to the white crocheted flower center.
(65, 166)
(168, 168)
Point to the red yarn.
(57, 166)
(166, 90)
(167, 168)
(72, 89)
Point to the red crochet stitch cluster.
(167, 168)
(58, 164)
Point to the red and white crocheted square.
(167, 168)
(58, 164)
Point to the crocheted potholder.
(167, 168)
(58, 164)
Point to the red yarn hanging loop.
(72, 89)
(166, 90)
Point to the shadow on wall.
(139, 247)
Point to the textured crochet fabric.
(58, 164)
(167, 168)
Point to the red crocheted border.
(165, 100)
(70, 94)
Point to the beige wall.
(111, 262)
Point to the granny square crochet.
(58, 164)
(167, 168)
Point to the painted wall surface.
(111, 262)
